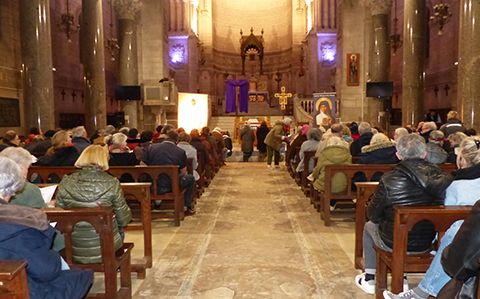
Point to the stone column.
(468, 63)
(94, 65)
(414, 50)
(127, 62)
(379, 65)
(36, 46)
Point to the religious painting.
(192, 110)
(353, 69)
(262, 86)
(324, 108)
(253, 98)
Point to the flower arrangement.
(441, 16)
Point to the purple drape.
(230, 91)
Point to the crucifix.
(283, 97)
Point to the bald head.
(337, 130)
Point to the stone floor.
(255, 236)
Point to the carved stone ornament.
(329, 51)
(379, 7)
(127, 9)
(177, 55)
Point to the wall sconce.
(67, 24)
(441, 17)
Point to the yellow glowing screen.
(192, 110)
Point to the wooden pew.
(364, 191)
(405, 218)
(101, 219)
(13, 280)
(172, 200)
(322, 202)
(201, 172)
(140, 192)
(305, 183)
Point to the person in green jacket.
(335, 152)
(91, 186)
(29, 195)
(274, 141)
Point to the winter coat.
(452, 126)
(202, 149)
(435, 154)
(363, 140)
(248, 139)
(460, 259)
(63, 156)
(379, 153)
(262, 133)
(307, 146)
(88, 188)
(328, 156)
(26, 235)
(426, 135)
(412, 182)
(29, 196)
(297, 142)
(6, 145)
(274, 137)
(81, 143)
(140, 149)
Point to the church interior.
(67, 63)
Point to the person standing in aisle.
(274, 141)
(248, 139)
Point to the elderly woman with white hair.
(29, 195)
(26, 235)
(399, 133)
(120, 154)
(314, 136)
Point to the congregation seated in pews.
(88, 196)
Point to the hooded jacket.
(412, 182)
(26, 235)
(379, 153)
(88, 188)
(328, 156)
(274, 137)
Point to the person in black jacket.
(262, 133)
(411, 182)
(366, 135)
(26, 235)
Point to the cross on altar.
(283, 97)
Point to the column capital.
(379, 7)
(127, 9)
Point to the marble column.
(379, 66)
(36, 44)
(469, 63)
(127, 62)
(94, 65)
(414, 51)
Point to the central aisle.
(255, 236)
